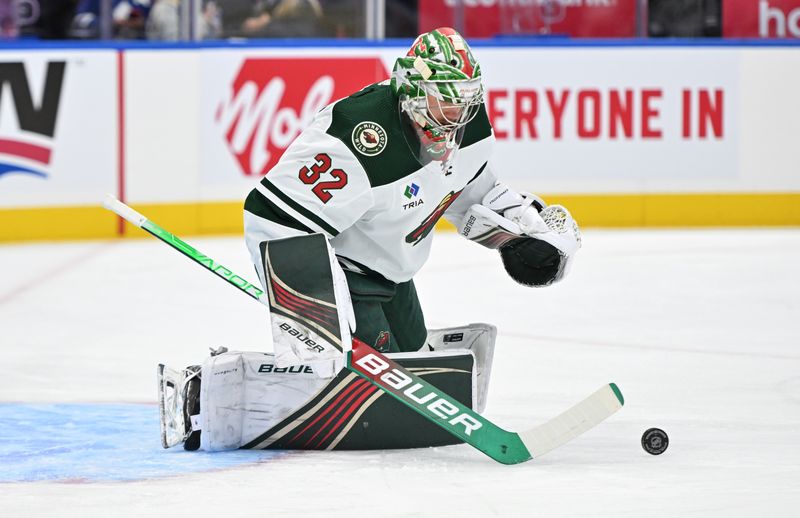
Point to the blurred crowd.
(213, 19)
(170, 20)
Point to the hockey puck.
(655, 441)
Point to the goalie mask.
(438, 83)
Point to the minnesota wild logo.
(382, 342)
(419, 233)
(369, 138)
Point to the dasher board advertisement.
(623, 120)
(256, 102)
(761, 19)
(58, 127)
(565, 120)
(574, 18)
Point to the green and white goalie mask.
(438, 84)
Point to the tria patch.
(411, 191)
(412, 204)
(369, 138)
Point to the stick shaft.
(181, 246)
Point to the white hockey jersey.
(352, 176)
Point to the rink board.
(624, 135)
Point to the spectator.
(284, 19)
(8, 19)
(346, 18)
(44, 19)
(163, 23)
(128, 19)
(401, 18)
(684, 18)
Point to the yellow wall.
(641, 210)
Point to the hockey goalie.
(337, 229)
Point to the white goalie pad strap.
(347, 315)
(326, 368)
(477, 338)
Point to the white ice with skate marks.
(699, 329)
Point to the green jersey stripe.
(299, 208)
(261, 206)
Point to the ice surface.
(700, 329)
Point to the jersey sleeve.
(317, 186)
(483, 181)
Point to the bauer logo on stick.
(394, 380)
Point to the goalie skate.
(178, 393)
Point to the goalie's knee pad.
(476, 338)
(311, 313)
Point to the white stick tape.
(114, 205)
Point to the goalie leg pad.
(247, 401)
(245, 393)
(309, 301)
(477, 338)
(222, 401)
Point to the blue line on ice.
(97, 442)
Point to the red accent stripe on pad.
(353, 408)
(350, 388)
(349, 406)
(321, 314)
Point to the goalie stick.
(501, 445)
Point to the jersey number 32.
(311, 177)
